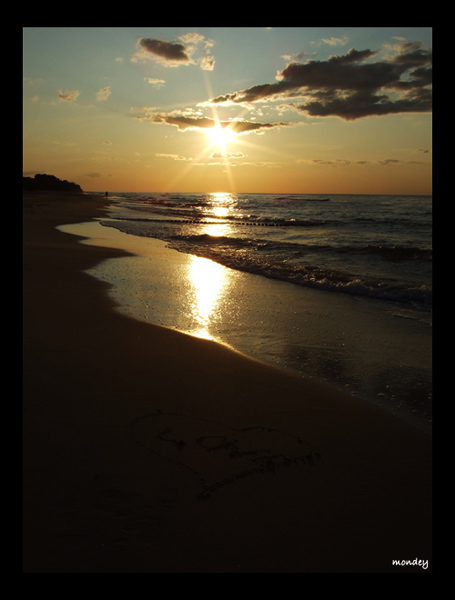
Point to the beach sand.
(148, 450)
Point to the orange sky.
(130, 109)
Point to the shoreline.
(357, 345)
(329, 485)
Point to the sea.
(336, 287)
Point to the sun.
(220, 136)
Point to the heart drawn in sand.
(218, 454)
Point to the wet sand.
(147, 450)
(368, 348)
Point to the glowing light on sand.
(208, 280)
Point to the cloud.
(155, 81)
(165, 50)
(350, 86)
(207, 63)
(227, 155)
(71, 96)
(184, 121)
(103, 93)
(186, 51)
(349, 163)
(334, 41)
(171, 156)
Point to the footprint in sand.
(217, 454)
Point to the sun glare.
(220, 136)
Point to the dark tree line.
(43, 182)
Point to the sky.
(230, 109)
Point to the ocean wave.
(391, 253)
(189, 217)
(294, 199)
(315, 277)
(388, 253)
(316, 254)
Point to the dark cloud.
(184, 122)
(240, 127)
(166, 50)
(365, 104)
(190, 49)
(349, 86)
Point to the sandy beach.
(146, 450)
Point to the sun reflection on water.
(221, 207)
(222, 203)
(216, 229)
(221, 211)
(209, 282)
